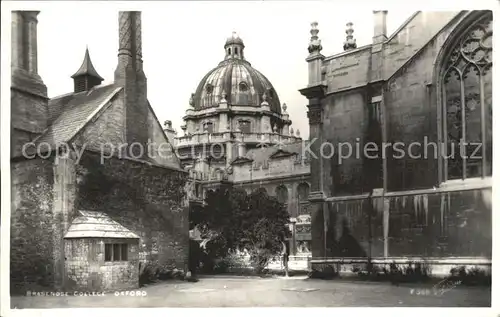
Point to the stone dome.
(235, 78)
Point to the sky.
(182, 41)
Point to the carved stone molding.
(315, 114)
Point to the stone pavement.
(271, 292)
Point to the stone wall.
(345, 121)
(87, 271)
(31, 254)
(429, 225)
(147, 199)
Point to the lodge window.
(114, 252)
(467, 104)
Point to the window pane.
(473, 135)
(488, 93)
(108, 252)
(454, 106)
(116, 252)
(124, 252)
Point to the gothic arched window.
(466, 83)
(303, 192)
(282, 194)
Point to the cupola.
(86, 77)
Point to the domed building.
(237, 130)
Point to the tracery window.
(467, 104)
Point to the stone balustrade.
(220, 137)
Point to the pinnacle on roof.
(87, 69)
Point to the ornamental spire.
(86, 76)
(315, 42)
(350, 42)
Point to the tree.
(232, 219)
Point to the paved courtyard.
(277, 292)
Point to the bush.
(151, 272)
(259, 259)
(147, 274)
(414, 272)
(327, 273)
(472, 276)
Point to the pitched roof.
(70, 113)
(93, 224)
(87, 68)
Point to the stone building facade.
(427, 87)
(82, 152)
(237, 131)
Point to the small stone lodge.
(79, 222)
(100, 253)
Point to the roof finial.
(315, 42)
(284, 107)
(298, 133)
(291, 131)
(350, 42)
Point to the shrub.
(147, 274)
(327, 273)
(472, 276)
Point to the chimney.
(24, 58)
(24, 41)
(129, 74)
(379, 26)
(29, 101)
